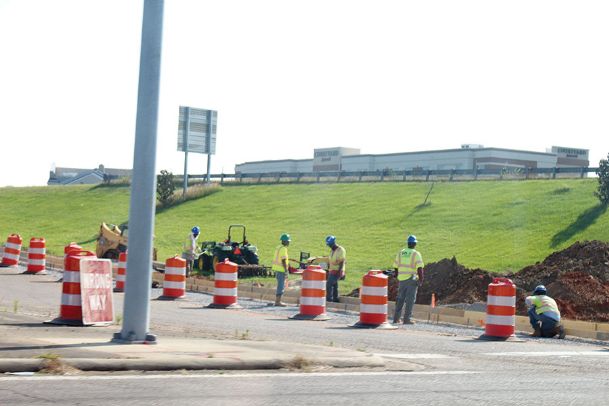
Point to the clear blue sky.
(289, 76)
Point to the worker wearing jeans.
(409, 266)
(280, 267)
(336, 268)
(544, 315)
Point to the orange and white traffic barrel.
(225, 286)
(313, 295)
(174, 281)
(121, 273)
(69, 248)
(500, 310)
(12, 250)
(36, 256)
(70, 311)
(373, 302)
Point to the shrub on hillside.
(165, 188)
(603, 181)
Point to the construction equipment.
(241, 253)
(112, 240)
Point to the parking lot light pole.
(136, 313)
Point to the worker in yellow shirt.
(336, 268)
(409, 265)
(280, 267)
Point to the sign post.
(197, 133)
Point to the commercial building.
(468, 157)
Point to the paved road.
(441, 364)
(352, 388)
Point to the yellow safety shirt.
(407, 261)
(544, 305)
(281, 252)
(336, 256)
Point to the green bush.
(603, 181)
(165, 188)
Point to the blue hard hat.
(330, 240)
(540, 290)
(412, 239)
(285, 237)
(196, 230)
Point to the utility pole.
(143, 184)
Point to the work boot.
(537, 332)
(560, 330)
(278, 301)
(408, 321)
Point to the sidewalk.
(27, 345)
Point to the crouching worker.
(544, 314)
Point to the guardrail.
(412, 175)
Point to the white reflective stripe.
(223, 276)
(70, 300)
(170, 270)
(10, 256)
(13, 246)
(374, 291)
(225, 292)
(501, 301)
(120, 277)
(501, 320)
(36, 261)
(312, 301)
(368, 308)
(313, 285)
(122, 265)
(37, 250)
(174, 285)
(71, 276)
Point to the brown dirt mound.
(577, 277)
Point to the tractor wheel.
(205, 263)
(215, 262)
(111, 254)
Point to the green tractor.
(241, 253)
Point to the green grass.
(494, 225)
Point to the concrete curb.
(118, 364)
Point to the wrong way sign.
(96, 291)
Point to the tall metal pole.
(136, 313)
(185, 142)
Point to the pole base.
(118, 339)
(383, 326)
(319, 317)
(219, 306)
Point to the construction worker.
(190, 249)
(544, 314)
(280, 267)
(409, 266)
(336, 268)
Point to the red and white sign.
(96, 291)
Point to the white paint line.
(414, 356)
(229, 375)
(599, 353)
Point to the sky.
(288, 76)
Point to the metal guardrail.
(403, 176)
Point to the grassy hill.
(494, 225)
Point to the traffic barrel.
(225, 286)
(121, 273)
(12, 250)
(36, 256)
(500, 310)
(313, 295)
(174, 280)
(373, 302)
(70, 311)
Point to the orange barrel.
(313, 295)
(69, 248)
(225, 285)
(70, 311)
(500, 309)
(174, 281)
(12, 250)
(373, 302)
(36, 255)
(121, 273)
